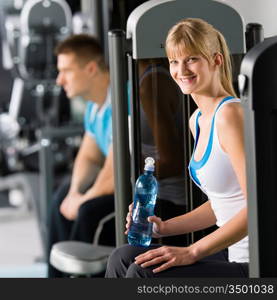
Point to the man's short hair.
(85, 47)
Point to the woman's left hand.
(166, 257)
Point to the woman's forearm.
(231, 232)
(200, 218)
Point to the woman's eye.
(192, 59)
(173, 62)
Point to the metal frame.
(123, 192)
(135, 139)
(46, 163)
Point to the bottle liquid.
(140, 232)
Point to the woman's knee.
(136, 271)
(115, 267)
(120, 259)
(114, 257)
(125, 252)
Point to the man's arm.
(87, 164)
(104, 184)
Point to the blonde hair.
(196, 36)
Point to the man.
(79, 205)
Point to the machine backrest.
(43, 24)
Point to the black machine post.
(123, 193)
(258, 89)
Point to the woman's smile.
(187, 79)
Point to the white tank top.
(216, 177)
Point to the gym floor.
(21, 252)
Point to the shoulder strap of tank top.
(197, 131)
(221, 104)
(228, 99)
(223, 101)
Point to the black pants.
(83, 227)
(121, 264)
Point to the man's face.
(73, 77)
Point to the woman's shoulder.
(229, 126)
(230, 113)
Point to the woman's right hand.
(158, 226)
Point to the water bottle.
(140, 232)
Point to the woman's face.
(192, 73)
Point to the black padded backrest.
(259, 98)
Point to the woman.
(200, 64)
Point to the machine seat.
(82, 259)
(79, 258)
